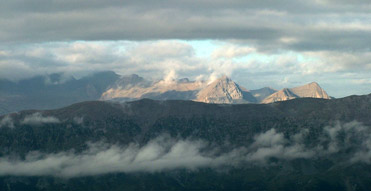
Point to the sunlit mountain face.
(48, 92)
(185, 95)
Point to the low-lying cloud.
(273, 144)
(159, 154)
(166, 153)
(353, 137)
(7, 121)
(38, 119)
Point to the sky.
(257, 43)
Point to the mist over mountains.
(58, 90)
(190, 95)
(183, 145)
(189, 135)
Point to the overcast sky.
(257, 43)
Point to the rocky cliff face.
(224, 90)
(155, 90)
(312, 90)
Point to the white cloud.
(7, 121)
(273, 144)
(165, 153)
(38, 119)
(232, 51)
(158, 155)
(332, 140)
(269, 138)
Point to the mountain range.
(52, 91)
(57, 90)
(222, 90)
(176, 140)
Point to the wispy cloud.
(7, 121)
(159, 154)
(38, 119)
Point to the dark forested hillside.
(301, 144)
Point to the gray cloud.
(150, 58)
(294, 25)
(165, 153)
(334, 36)
(38, 119)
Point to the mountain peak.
(224, 78)
(223, 90)
(281, 95)
(312, 90)
(314, 83)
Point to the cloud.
(170, 77)
(148, 58)
(230, 51)
(333, 38)
(352, 136)
(165, 153)
(158, 155)
(273, 144)
(269, 138)
(269, 25)
(160, 49)
(38, 119)
(7, 121)
(337, 72)
(78, 120)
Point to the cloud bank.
(288, 43)
(166, 153)
(337, 72)
(159, 154)
(288, 24)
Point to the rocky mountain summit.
(58, 90)
(222, 90)
(312, 90)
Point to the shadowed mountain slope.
(65, 137)
(52, 91)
